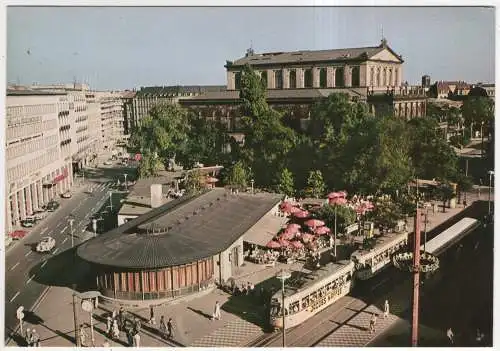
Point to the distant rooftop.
(27, 92)
(169, 91)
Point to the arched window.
(308, 78)
(355, 79)
(322, 78)
(293, 79)
(278, 79)
(237, 80)
(339, 77)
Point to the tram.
(317, 291)
(450, 236)
(370, 262)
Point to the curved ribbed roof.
(180, 232)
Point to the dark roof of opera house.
(179, 232)
(304, 56)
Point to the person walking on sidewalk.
(116, 330)
(137, 339)
(35, 338)
(121, 318)
(450, 335)
(29, 338)
(386, 309)
(170, 329)
(373, 321)
(163, 327)
(109, 323)
(216, 311)
(151, 315)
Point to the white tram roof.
(318, 278)
(449, 236)
(382, 244)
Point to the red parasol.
(314, 223)
(294, 210)
(307, 237)
(293, 228)
(273, 245)
(287, 235)
(285, 206)
(297, 244)
(337, 201)
(284, 243)
(301, 214)
(322, 230)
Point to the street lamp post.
(283, 275)
(71, 220)
(126, 186)
(251, 182)
(491, 174)
(425, 226)
(94, 226)
(335, 235)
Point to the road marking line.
(17, 293)
(33, 276)
(65, 227)
(55, 251)
(14, 266)
(64, 240)
(28, 253)
(44, 230)
(44, 263)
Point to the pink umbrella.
(322, 230)
(285, 206)
(294, 210)
(273, 245)
(297, 244)
(284, 243)
(294, 226)
(337, 201)
(301, 214)
(337, 194)
(287, 235)
(307, 237)
(314, 223)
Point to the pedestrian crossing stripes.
(234, 334)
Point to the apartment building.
(111, 119)
(38, 151)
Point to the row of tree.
(342, 147)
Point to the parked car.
(66, 195)
(39, 214)
(46, 244)
(28, 222)
(52, 206)
(18, 234)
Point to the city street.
(28, 273)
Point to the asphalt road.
(28, 272)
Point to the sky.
(129, 47)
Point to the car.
(52, 206)
(18, 234)
(28, 222)
(108, 163)
(66, 195)
(39, 214)
(46, 244)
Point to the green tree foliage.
(464, 184)
(345, 216)
(252, 94)
(432, 156)
(477, 109)
(386, 213)
(237, 176)
(286, 183)
(445, 193)
(315, 185)
(194, 182)
(149, 165)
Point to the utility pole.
(416, 280)
(75, 320)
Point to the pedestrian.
(450, 335)
(121, 318)
(109, 323)
(170, 329)
(152, 315)
(163, 327)
(83, 336)
(216, 311)
(28, 338)
(137, 325)
(114, 314)
(386, 309)
(465, 203)
(130, 338)
(373, 321)
(35, 338)
(137, 340)
(116, 330)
